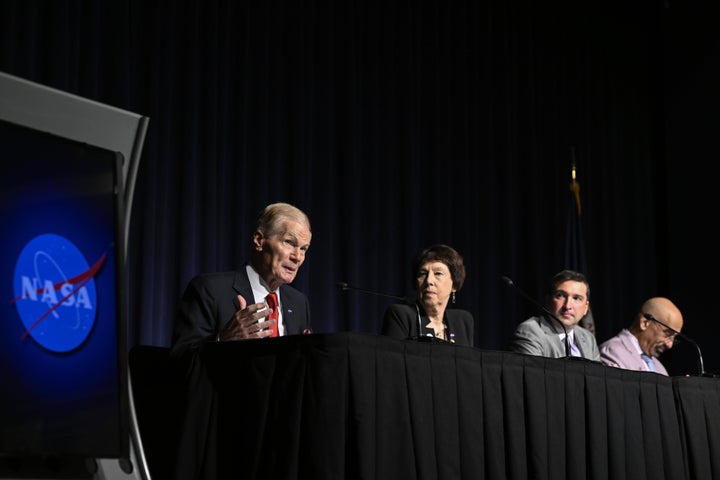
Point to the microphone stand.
(684, 338)
(420, 338)
(344, 286)
(511, 284)
(701, 366)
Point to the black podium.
(361, 406)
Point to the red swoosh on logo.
(83, 278)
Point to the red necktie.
(272, 302)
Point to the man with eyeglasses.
(651, 333)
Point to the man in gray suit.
(651, 333)
(568, 300)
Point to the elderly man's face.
(283, 253)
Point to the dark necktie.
(272, 302)
(574, 350)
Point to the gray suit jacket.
(619, 351)
(537, 336)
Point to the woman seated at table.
(438, 272)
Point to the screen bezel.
(56, 461)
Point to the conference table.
(364, 406)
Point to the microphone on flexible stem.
(429, 338)
(701, 366)
(510, 283)
(344, 286)
(684, 338)
(425, 338)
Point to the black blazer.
(210, 300)
(401, 321)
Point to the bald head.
(664, 310)
(653, 337)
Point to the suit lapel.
(579, 341)
(241, 285)
(288, 307)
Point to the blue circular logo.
(55, 293)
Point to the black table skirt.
(361, 406)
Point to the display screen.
(62, 321)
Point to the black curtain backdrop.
(399, 124)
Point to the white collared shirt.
(571, 339)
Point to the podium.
(362, 406)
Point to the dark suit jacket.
(401, 321)
(210, 300)
(208, 303)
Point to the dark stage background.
(398, 124)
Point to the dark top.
(401, 321)
(210, 300)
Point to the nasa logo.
(55, 294)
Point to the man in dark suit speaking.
(240, 305)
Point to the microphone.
(344, 286)
(417, 309)
(511, 284)
(429, 338)
(432, 339)
(684, 338)
(701, 366)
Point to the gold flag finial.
(574, 185)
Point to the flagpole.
(575, 245)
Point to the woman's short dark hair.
(444, 254)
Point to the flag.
(575, 258)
